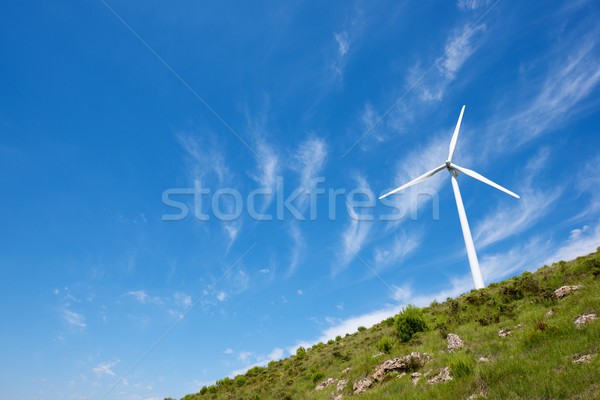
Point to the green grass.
(534, 362)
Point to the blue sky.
(104, 106)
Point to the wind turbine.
(464, 223)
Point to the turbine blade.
(415, 181)
(483, 179)
(455, 135)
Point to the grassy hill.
(545, 355)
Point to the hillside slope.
(520, 341)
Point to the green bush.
(301, 352)
(362, 329)
(385, 344)
(317, 376)
(338, 338)
(410, 321)
(240, 380)
(461, 364)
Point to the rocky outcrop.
(584, 359)
(409, 362)
(362, 385)
(442, 376)
(346, 370)
(584, 319)
(325, 383)
(415, 376)
(341, 385)
(504, 332)
(564, 291)
(454, 342)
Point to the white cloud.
(343, 43)
(264, 270)
(472, 4)
(299, 292)
(203, 160)
(585, 241)
(308, 160)
(105, 368)
(354, 236)
(509, 220)
(244, 355)
(297, 247)
(573, 74)
(266, 174)
(228, 350)
(221, 296)
(182, 299)
(516, 216)
(458, 49)
(400, 247)
(139, 295)
(74, 319)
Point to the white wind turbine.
(464, 223)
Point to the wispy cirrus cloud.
(459, 47)
(355, 235)
(105, 368)
(73, 319)
(297, 246)
(516, 216)
(206, 163)
(472, 4)
(309, 158)
(394, 253)
(574, 73)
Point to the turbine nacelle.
(454, 170)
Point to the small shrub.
(362, 329)
(204, 390)
(385, 344)
(301, 352)
(240, 380)
(389, 321)
(461, 364)
(410, 321)
(338, 338)
(317, 376)
(330, 341)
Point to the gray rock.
(415, 376)
(585, 359)
(325, 383)
(504, 332)
(341, 385)
(362, 385)
(454, 342)
(584, 319)
(564, 291)
(442, 376)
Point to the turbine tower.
(464, 223)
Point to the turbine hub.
(448, 164)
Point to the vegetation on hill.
(520, 342)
